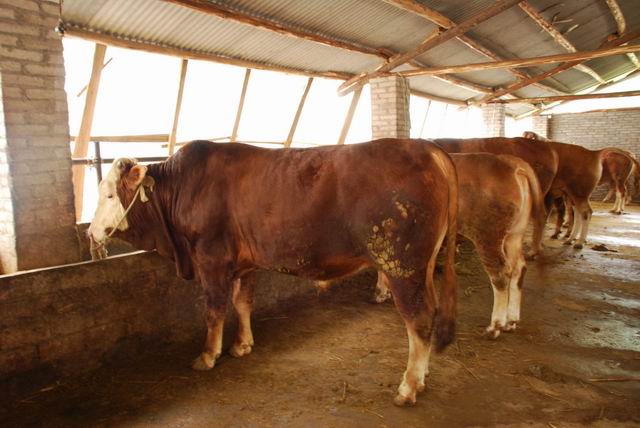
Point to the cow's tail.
(538, 211)
(445, 323)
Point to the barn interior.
(110, 342)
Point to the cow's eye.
(109, 196)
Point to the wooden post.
(82, 141)
(296, 118)
(236, 125)
(349, 118)
(176, 113)
(426, 115)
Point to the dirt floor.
(337, 360)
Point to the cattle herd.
(221, 211)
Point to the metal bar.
(296, 118)
(98, 158)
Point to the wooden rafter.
(523, 62)
(243, 93)
(560, 68)
(536, 100)
(225, 12)
(437, 98)
(349, 118)
(621, 23)
(558, 37)
(81, 146)
(176, 113)
(540, 109)
(106, 39)
(436, 38)
(441, 20)
(296, 118)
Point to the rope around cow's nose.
(126, 212)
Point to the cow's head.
(115, 190)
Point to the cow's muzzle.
(97, 249)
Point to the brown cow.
(616, 172)
(540, 156)
(579, 171)
(498, 195)
(223, 210)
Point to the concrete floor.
(337, 360)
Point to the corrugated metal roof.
(372, 23)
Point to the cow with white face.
(111, 214)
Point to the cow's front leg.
(243, 303)
(216, 296)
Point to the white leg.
(413, 378)
(242, 302)
(584, 226)
(515, 296)
(577, 223)
(382, 293)
(499, 313)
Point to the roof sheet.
(373, 23)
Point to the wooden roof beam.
(107, 39)
(537, 100)
(225, 12)
(436, 38)
(560, 68)
(523, 62)
(540, 109)
(437, 18)
(558, 37)
(621, 23)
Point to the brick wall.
(70, 319)
(390, 107)
(540, 125)
(493, 120)
(37, 221)
(596, 130)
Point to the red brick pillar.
(37, 221)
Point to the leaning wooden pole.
(176, 113)
(236, 124)
(296, 118)
(347, 120)
(84, 134)
(536, 100)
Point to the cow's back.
(538, 154)
(302, 209)
(488, 194)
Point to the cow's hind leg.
(495, 264)
(558, 203)
(242, 298)
(216, 284)
(515, 258)
(583, 212)
(609, 194)
(382, 293)
(416, 303)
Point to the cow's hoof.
(577, 246)
(420, 387)
(567, 242)
(555, 235)
(492, 332)
(510, 327)
(402, 401)
(382, 297)
(240, 350)
(203, 362)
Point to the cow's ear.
(134, 177)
